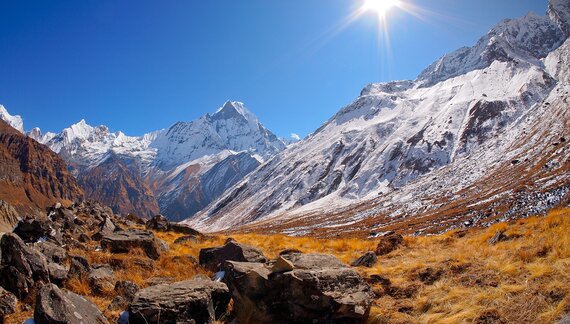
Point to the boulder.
(157, 223)
(124, 242)
(282, 265)
(53, 252)
(127, 289)
(8, 303)
(101, 279)
(32, 230)
(57, 273)
(389, 243)
(162, 245)
(79, 267)
(367, 260)
(21, 266)
(198, 300)
(213, 258)
(106, 227)
(319, 289)
(154, 281)
(184, 229)
(54, 305)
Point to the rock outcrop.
(199, 300)
(319, 289)
(213, 258)
(126, 241)
(54, 305)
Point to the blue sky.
(141, 65)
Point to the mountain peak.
(14, 121)
(234, 109)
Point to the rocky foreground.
(83, 264)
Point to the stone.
(389, 243)
(118, 303)
(54, 306)
(290, 251)
(79, 267)
(213, 258)
(21, 265)
(367, 260)
(160, 281)
(57, 273)
(101, 279)
(162, 245)
(183, 229)
(8, 303)
(126, 289)
(53, 252)
(31, 230)
(282, 265)
(198, 300)
(320, 289)
(158, 223)
(124, 242)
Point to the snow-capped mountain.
(180, 169)
(14, 121)
(477, 101)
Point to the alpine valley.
(175, 171)
(480, 136)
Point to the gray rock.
(198, 300)
(57, 273)
(54, 306)
(101, 279)
(127, 289)
(320, 289)
(21, 266)
(31, 230)
(213, 258)
(162, 246)
(79, 267)
(106, 227)
(53, 252)
(157, 223)
(124, 242)
(184, 229)
(367, 260)
(8, 303)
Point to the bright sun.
(380, 6)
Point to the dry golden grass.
(525, 279)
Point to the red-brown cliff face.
(118, 184)
(32, 177)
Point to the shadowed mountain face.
(32, 177)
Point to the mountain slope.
(32, 177)
(471, 104)
(176, 171)
(117, 183)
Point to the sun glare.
(380, 6)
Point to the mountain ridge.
(398, 132)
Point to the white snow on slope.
(14, 121)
